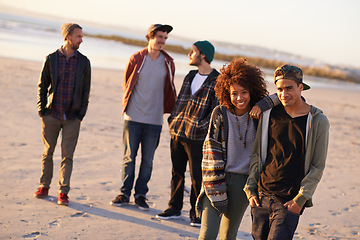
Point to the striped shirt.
(65, 87)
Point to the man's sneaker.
(63, 199)
(41, 192)
(169, 214)
(140, 202)
(195, 222)
(120, 200)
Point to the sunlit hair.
(246, 75)
(151, 34)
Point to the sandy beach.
(96, 177)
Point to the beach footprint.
(32, 235)
(55, 223)
(335, 213)
(80, 214)
(355, 233)
(82, 197)
(345, 209)
(105, 183)
(315, 228)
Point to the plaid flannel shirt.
(189, 121)
(63, 96)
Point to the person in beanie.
(63, 97)
(188, 125)
(288, 159)
(149, 92)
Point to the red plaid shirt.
(65, 88)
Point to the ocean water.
(31, 38)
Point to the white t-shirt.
(197, 82)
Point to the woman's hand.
(255, 112)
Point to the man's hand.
(293, 207)
(254, 201)
(255, 112)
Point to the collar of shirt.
(61, 53)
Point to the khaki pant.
(50, 131)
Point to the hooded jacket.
(131, 74)
(316, 145)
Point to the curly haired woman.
(228, 146)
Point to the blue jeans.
(148, 135)
(272, 220)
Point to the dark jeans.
(181, 152)
(148, 135)
(272, 220)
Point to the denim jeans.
(51, 128)
(230, 221)
(148, 135)
(272, 220)
(181, 153)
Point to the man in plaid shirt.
(63, 97)
(188, 124)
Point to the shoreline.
(315, 82)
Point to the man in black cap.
(149, 92)
(63, 96)
(188, 124)
(288, 159)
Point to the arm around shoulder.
(268, 102)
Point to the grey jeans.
(50, 132)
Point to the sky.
(326, 30)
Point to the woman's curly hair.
(248, 76)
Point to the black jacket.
(48, 83)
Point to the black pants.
(181, 152)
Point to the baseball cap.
(160, 27)
(287, 71)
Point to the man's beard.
(75, 46)
(195, 62)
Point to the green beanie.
(206, 48)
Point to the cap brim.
(165, 28)
(306, 87)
